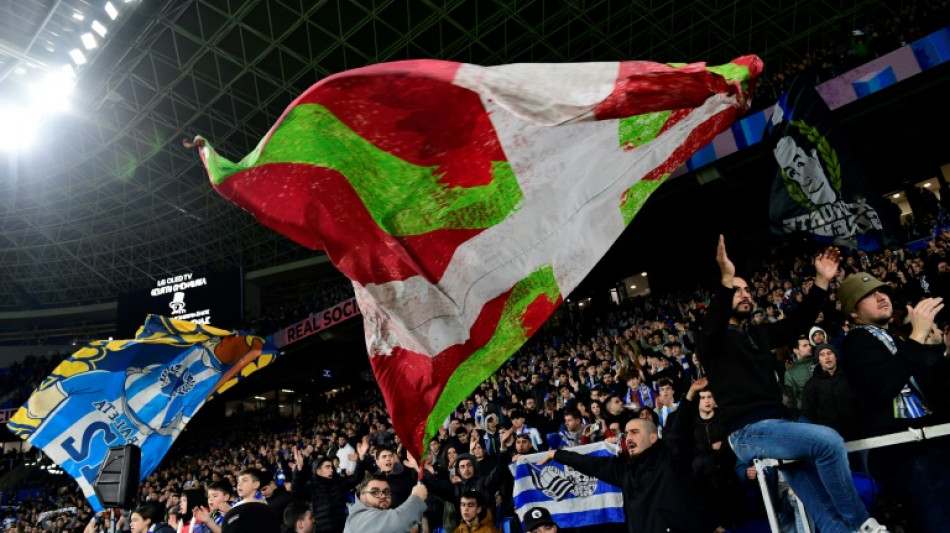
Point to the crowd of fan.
(18, 380)
(577, 381)
(912, 22)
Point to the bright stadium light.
(99, 28)
(77, 56)
(51, 95)
(88, 41)
(17, 128)
(78, 16)
(111, 10)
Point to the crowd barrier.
(892, 439)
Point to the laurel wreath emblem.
(828, 156)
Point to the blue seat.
(867, 488)
(439, 530)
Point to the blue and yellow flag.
(141, 391)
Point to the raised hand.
(922, 318)
(726, 268)
(547, 457)
(411, 462)
(201, 514)
(420, 492)
(298, 459)
(697, 386)
(826, 265)
(362, 447)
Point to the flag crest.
(464, 202)
(141, 391)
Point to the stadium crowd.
(855, 47)
(587, 373)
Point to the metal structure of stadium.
(107, 198)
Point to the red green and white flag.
(466, 202)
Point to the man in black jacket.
(469, 478)
(400, 479)
(326, 491)
(738, 360)
(655, 475)
(827, 398)
(900, 383)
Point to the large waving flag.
(141, 391)
(573, 499)
(464, 202)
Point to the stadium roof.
(107, 198)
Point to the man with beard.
(374, 511)
(655, 475)
(401, 479)
(738, 360)
(900, 383)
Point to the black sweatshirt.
(877, 376)
(739, 361)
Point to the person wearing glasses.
(655, 475)
(373, 512)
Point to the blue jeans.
(821, 477)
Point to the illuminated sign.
(213, 299)
(317, 322)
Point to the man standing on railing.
(900, 383)
(741, 370)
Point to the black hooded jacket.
(488, 484)
(327, 496)
(657, 485)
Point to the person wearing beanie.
(901, 383)
(828, 399)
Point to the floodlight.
(88, 41)
(52, 94)
(99, 28)
(77, 56)
(79, 16)
(111, 10)
(17, 128)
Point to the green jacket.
(795, 379)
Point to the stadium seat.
(506, 525)
(868, 489)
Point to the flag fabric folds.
(141, 391)
(464, 202)
(573, 499)
(819, 187)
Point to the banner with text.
(317, 322)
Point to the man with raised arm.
(738, 360)
(374, 511)
(655, 475)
